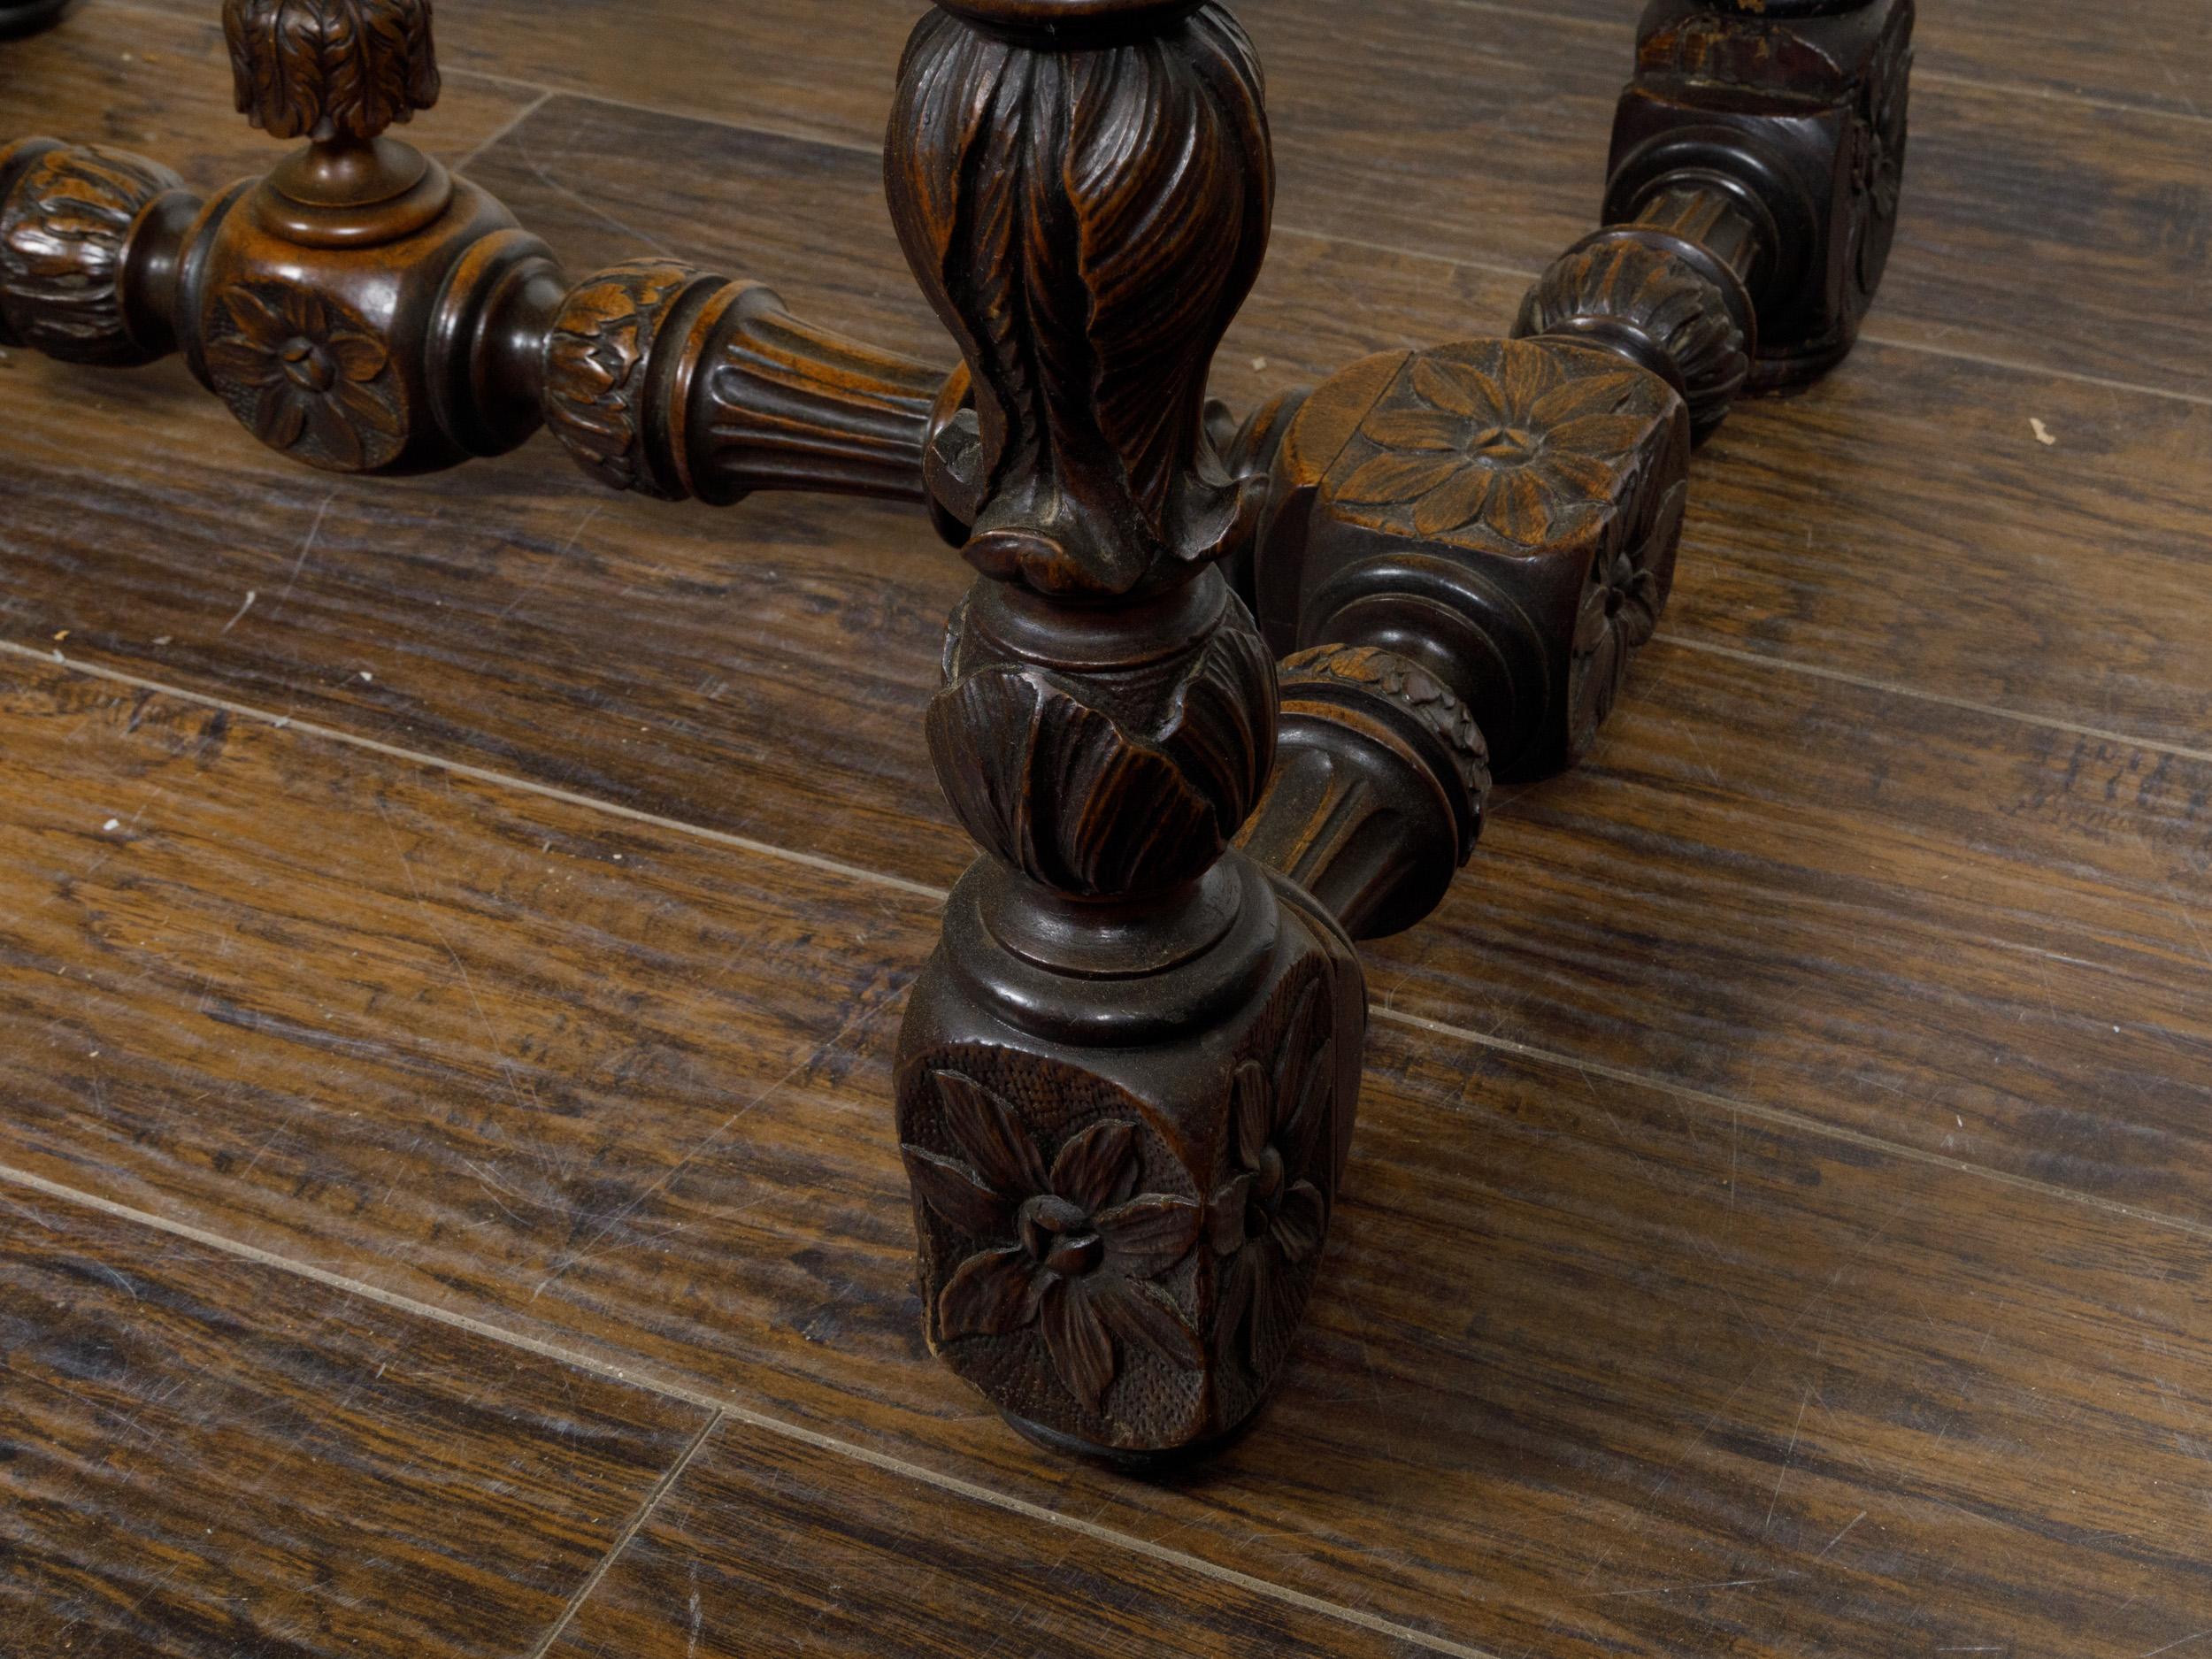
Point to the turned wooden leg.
(27, 17)
(1127, 1080)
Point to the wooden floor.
(453, 933)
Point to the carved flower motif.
(1084, 1252)
(1268, 1219)
(1884, 125)
(1620, 612)
(305, 376)
(1526, 453)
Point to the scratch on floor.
(306, 547)
(1803, 1406)
(1839, 1537)
(1692, 1589)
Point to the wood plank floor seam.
(802, 134)
(1965, 705)
(1781, 1116)
(482, 774)
(1867, 337)
(623, 1538)
(505, 129)
(938, 895)
(730, 1411)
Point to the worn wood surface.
(1776, 1248)
(204, 1455)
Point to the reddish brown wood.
(364, 312)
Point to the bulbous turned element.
(331, 69)
(1654, 301)
(1083, 468)
(1125, 779)
(70, 218)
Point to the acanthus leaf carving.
(1036, 185)
(330, 69)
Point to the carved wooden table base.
(1128, 1078)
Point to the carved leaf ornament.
(1086, 224)
(330, 69)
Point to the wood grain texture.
(2024, 223)
(156, 78)
(1606, 1364)
(1595, 1365)
(769, 1546)
(668, 661)
(2047, 47)
(2060, 220)
(206, 1456)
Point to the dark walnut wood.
(1381, 776)
(1752, 196)
(1128, 1078)
(1504, 513)
(362, 310)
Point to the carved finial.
(330, 69)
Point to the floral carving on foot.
(1267, 1220)
(1620, 612)
(308, 378)
(1525, 446)
(1085, 1247)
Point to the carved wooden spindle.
(27, 17)
(1752, 196)
(362, 310)
(1128, 1078)
(1505, 514)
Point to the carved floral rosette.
(307, 377)
(1559, 472)
(1129, 1277)
(1882, 132)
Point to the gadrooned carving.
(1412, 689)
(597, 358)
(65, 227)
(1077, 797)
(1618, 279)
